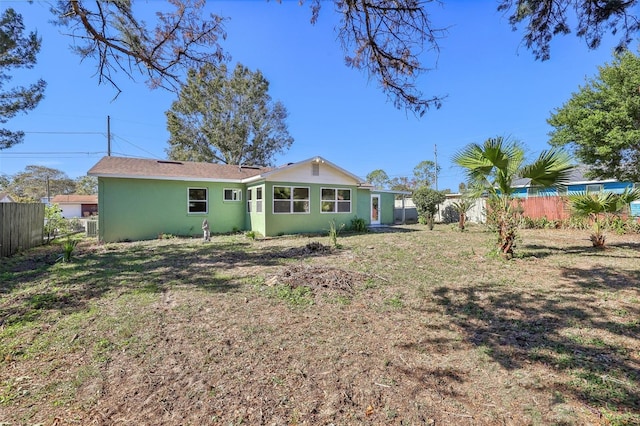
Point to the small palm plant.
(461, 207)
(68, 246)
(491, 169)
(597, 206)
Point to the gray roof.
(576, 176)
(171, 170)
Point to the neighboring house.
(6, 198)
(76, 206)
(551, 203)
(142, 198)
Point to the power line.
(50, 152)
(136, 146)
(66, 133)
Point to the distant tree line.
(37, 182)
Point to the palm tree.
(461, 207)
(491, 169)
(601, 204)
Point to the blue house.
(578, 184)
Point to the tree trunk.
(507, 241)
(461, 221)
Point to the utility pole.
(435, 157)
(435, 153)
(108, 136)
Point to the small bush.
(68, 246)
(358, 224)
(54, 223)
(334, 231)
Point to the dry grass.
(400, 327)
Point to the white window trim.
(291, 200)
(260, 201)
(255, 204)
(235, 191)
(562, 191)
(600, 188)
(206, 200)
(336, 201)
(533, 191)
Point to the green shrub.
(358, 224)
(68, 246)
(54, 223)
(334, 231)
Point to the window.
(233, 195)
(198, 200)
(290, 199)
(593, 189)
(336, 200)
(259, 200)
(533, 192)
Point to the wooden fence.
(552, 208)
(21, 227)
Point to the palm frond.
(491, 165)
(629, 195)
(552, 168)
(587, 204)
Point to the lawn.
(404, 326)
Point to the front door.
(375, 209)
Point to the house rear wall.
(139, 209)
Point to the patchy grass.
(403, 326)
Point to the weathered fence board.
(21, 227)
(552, 208)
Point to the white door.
(375, 209)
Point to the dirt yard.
(401, 327)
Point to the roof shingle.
(74, 199)
(164, 169)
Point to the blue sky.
(492, 83)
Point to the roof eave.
(151, 177)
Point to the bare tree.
(108, 30)
(545, 19)
(387, 39)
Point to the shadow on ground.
(566, 330)
(35, 282)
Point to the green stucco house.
(141, 199)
